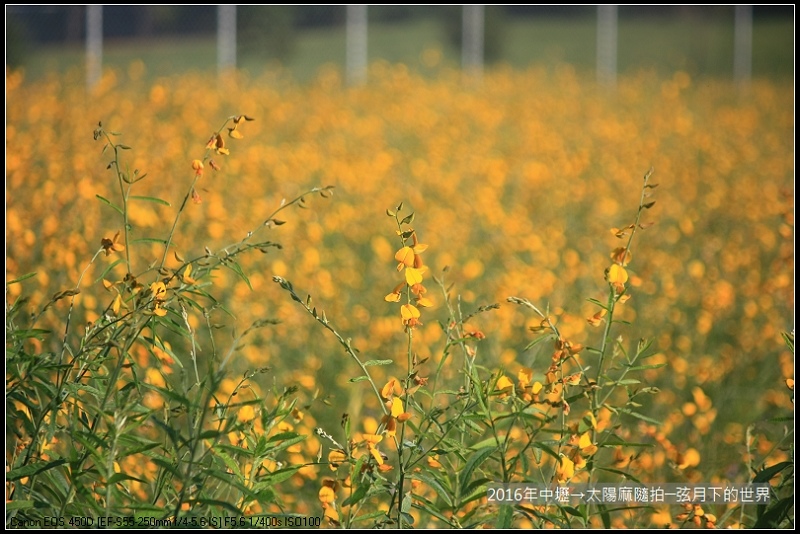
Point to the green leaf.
(109, 203)
(644, 367)
(148, 240)
(18, 505)
(624, 474)
(766, 474)
(235, 267)
(644, 418)
(358, 494)
(626, 382)
(504, 516)
(33, 469)
(358, 379)
(377, 362)
(150, 199)
(475, 460)
(119, 477)
(437, 486)
(408, 219)
(405, 506)
(230, 463)
(18, 280)
(108, 269)
(423, 504)
(604, 515)
(775, 514)
(276, 477)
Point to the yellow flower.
(237, 120)
(197, 165)
(565, 469)
(112, 245)
(410, 315)
(159, 291)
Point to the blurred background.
(700, 40)
(515, 182)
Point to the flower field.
(522, 186)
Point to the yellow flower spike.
(377, 455)
(525, 375)
(326, 495)
(187, 276)
(597, 318)
(405, 257)
(433, 461)
(117, 304)
(219, 146)
(397, 407)
(373, 439)
(410, 315)
(197, 165)
(392, 387)
(621, 255)
(617, 274)
(335, 458)
(503, 383)
(573, 380)
(414, 275)
(394, 296)
(565, 469)
(585, 440)
(424, 302)
(159, 290)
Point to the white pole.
(472, 42)
(607, 46)
(743, 46)
(94, 44)
(356, 61)
(226, 38)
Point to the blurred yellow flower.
(197, 165)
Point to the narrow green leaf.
(645, 367)
(33, 469)
(358, 494)
(766, 474)
(377, 362)
(775, 514)
(150, 199)
(359, 379)
(235, 267)
(18, 505)
(148, 240)
(109, 203)
(504, 516)
(644, 418)
(437, 486)
(18, 280)
(475, 461)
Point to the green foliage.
(121, 418)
